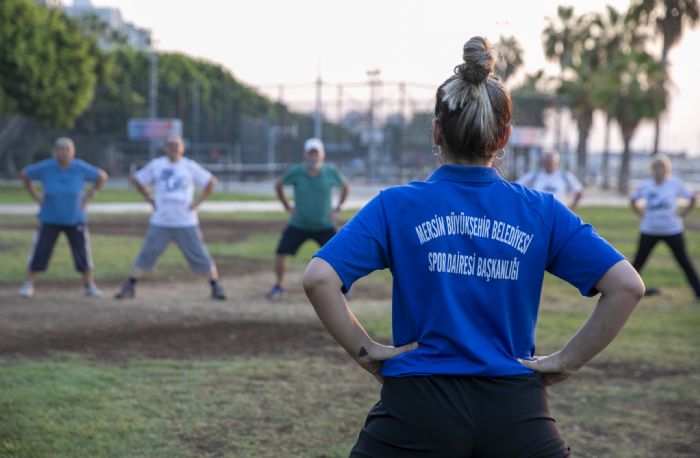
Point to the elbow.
(312, 281)
(632, 288)
(319, 277)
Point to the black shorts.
(453, 416)
(293, 237)
(45, 239)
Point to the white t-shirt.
(173, 186)
(559, 183)
(660, 216)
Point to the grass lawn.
(640, 398)
(17, 195)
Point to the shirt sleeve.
(200, 175)
(338, 177)
(684, 190)
(638, 192)
(290, 175)
(90, 172)
(146, 175)
(35, 171)
(361, 246)
(577, 254)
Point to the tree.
(46, 70)
(511, 57)
(668, 17)
(631, 88)
(611, 34)
(567, 40)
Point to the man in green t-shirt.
(312, 213)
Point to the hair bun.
(479, 61)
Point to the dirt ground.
(171, 317)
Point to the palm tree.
(631, 88)
(568, 41)
(668, 17)
(511, 54)
(611, 33)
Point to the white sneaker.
(92, 290)
(27, 290)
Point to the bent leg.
(677, 245)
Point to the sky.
(265, 43)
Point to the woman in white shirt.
(660, 218)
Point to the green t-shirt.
(312, 195)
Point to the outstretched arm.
(323, 287)
(621, 290)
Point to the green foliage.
(511, 57)
(46, 69)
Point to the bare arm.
(689, 208)
(621, 290)
(634, 203)
(144, 191)
(323, 287)
(31, 189)
(345, 190)
(279, 189)
(96, 186)
(206, 192)
(576, 200)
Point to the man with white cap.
(312, 213)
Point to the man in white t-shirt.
(550, 179)
(173, 180)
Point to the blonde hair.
(661, 159)
(472, 107)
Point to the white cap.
(313, 144)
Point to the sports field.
(174, 374)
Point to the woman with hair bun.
(468, 251)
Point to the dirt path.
(169, 318)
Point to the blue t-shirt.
(63, 189)
(468, 251)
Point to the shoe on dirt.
(27, 290)
(217, 292)
(128, 291)
(276, 293)
(92, 290)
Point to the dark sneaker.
(651, 291)
(128, 291)
(276, 293)
(217, 292)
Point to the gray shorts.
(188, 239)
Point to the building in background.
(136, 37)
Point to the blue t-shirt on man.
(63, 189)
(468, 251)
